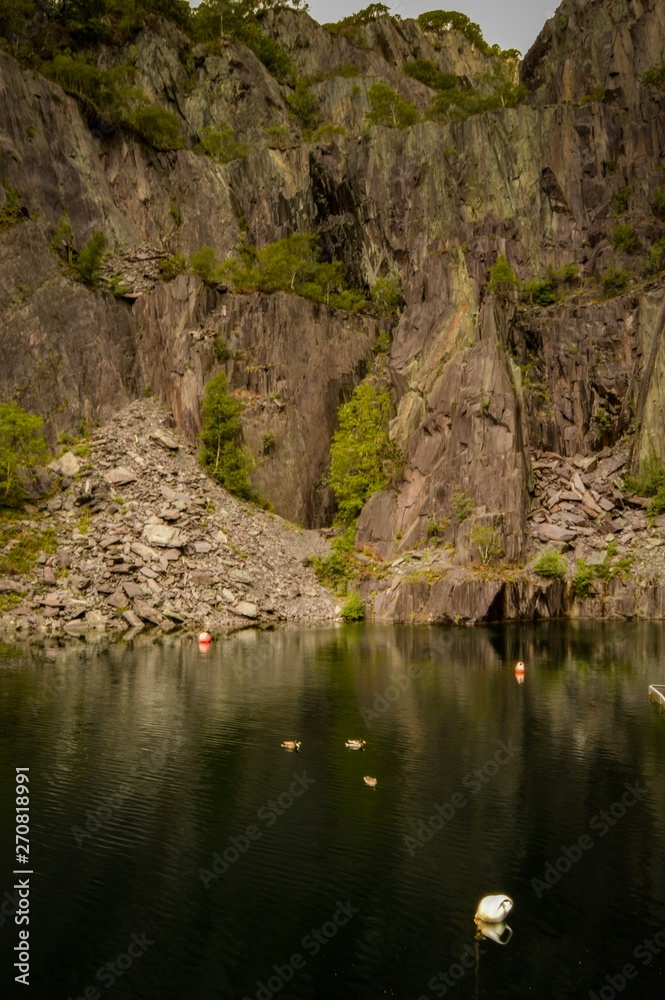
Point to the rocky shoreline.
(145, 539)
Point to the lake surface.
(178, 852)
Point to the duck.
(493, 909)
(292, 745)
(372, 782)
(355, 744)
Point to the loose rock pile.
(581, 505)
(145, 538)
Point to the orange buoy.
(519, 667)
(205, 638)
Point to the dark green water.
(177, 851)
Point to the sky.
(512, 24)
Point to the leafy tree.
(363, 459)
(304, 105)
(21, 445)
(486, 539)
(443, 20)
(221, 453)
(63, 240)
(293, 265)
(88, 263)
(389, 108)
(502, 278)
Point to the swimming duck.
(493, 909)
(355, 744)
(370, 781)
(292, 745)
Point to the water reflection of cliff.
(193, 739)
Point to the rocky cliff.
(490, 380)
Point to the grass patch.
(20, 546)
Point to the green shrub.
(658, 204)
(428, 72)
(582, 581)
(304, 105)
(540, 293)
(268, 442)
(10, 212)
(625, 238)
(221, 348)
(389, 108)
(649, 480)
(547, 291)
(363, 460)
(21, 444)
(551, 565)
(353, 609)
(204, 263)
(156, 126)
(502, 278)
(614, 281)
(620, 201)
(387, 296)
(294, 265)
(221, 145)
(657, 504)
(63, 240)
(172, 266)
(327, 132)
(221, 453)
(88, 261)
(655, 262)
(461, 505)
(278, 137)
(655, 77)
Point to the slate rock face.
(486, 382)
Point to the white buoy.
(493, 909)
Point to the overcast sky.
(513, 24)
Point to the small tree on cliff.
(21, 445)
(502, 278)
(363, 458)
(221, 453)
